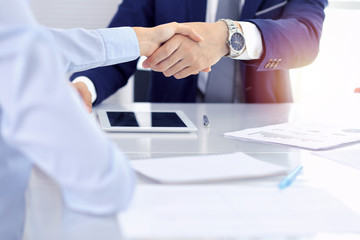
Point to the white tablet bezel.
(105, 124)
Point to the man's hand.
(85, 94)
(150, 39)
(181, 57)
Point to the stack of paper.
(206, 168)
(304, 136)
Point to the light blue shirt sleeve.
(84, 49)
(42, 117)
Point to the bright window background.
(335, 73)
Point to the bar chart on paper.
(304, 136)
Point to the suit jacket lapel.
(197, 10)
(250, 8)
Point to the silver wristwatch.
(236, 40)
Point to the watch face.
(237, 41)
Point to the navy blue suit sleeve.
(293, 36)
(108, 80)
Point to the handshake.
(177, 49)
(181, 50)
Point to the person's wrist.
(143, 39)
(90, 87)
(222, 33)
(82, 87)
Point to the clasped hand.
(184, 54)
(176, 49)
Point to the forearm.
(84, 49)
(293, 39)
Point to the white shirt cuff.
(253, 41)
(89, 84)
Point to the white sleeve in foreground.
(43, 117)
(84, 49)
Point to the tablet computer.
(145, 121)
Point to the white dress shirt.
(254, 47)
(43, 121)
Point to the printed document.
(304, 136)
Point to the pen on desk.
(290, 178)
(206, 120)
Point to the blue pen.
(290, 178)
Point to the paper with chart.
(304, 136)
(234, 212)
(204, 168)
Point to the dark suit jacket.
(290, 32)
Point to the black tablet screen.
(145, 119)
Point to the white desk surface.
(48, 219)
